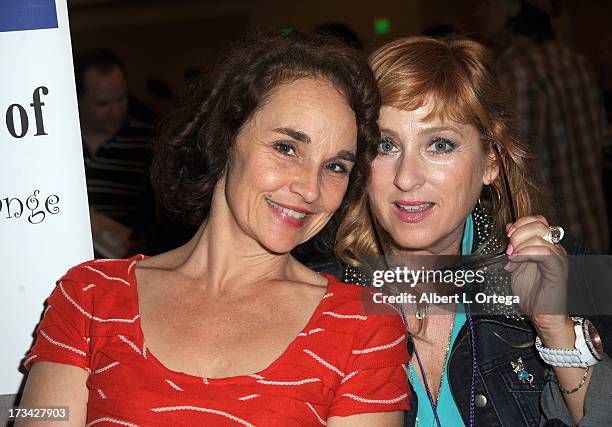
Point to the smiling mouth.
(414, 208)
(290, 212)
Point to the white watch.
(587, 352)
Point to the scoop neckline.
(331, 282)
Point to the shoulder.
(105, 286)
(98, 294)
(111, 274)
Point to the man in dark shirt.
(117, 155)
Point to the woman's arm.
(377, 419)
(568, 378)
(54, 384)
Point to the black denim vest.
(502, 398)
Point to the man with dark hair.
(560, 107)
(117, 154)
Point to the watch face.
(595, 338)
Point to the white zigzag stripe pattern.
(174, 386)
(345, 316)
(321, 420)
(97, 319)
(141, 257)
(101, 273)
(131, 344)
(349, 376)
(111, 420)
(312, 331)
(256, 376)
(88, 287)
(250, 396)
(331, 294)
(61, 344)
(29, 359)
(200, 409)
(104, 368)
(300, 382)
(364, 400)
(324, 362)
(380, 347)
(101, 393)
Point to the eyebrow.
(442, 128)
(295, 134)
(389, 132)
(346, 155)
(301, 136)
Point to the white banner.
(44, 221)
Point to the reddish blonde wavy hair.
(458, 76)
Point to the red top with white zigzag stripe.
(344, 362)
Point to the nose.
(410, 172)
(306, 184)
(116, 110)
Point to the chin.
(413, 240)
(279, 245)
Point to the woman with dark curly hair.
(229, 329)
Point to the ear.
(491, 170)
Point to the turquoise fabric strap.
(447, 409)
(468, 236)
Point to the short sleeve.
(375, 379)
(62, 336)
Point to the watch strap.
(578, 357)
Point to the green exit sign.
(382, 26)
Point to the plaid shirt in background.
(562, 116)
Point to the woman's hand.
(539, 274)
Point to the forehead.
(313, 106)
(422, 119)
(99, 83)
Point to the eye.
(337, 168)
(442, 146)
(386, 146)
(284, 148)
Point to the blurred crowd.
(564, 105)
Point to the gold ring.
(554, 234)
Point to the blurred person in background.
(117, 155)
(561, 113)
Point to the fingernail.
(508, 226)
(511, 231)
(510, 249)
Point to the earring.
(487, 241)
(497, 280)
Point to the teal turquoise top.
(448, 413)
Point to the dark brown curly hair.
(192, 150)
